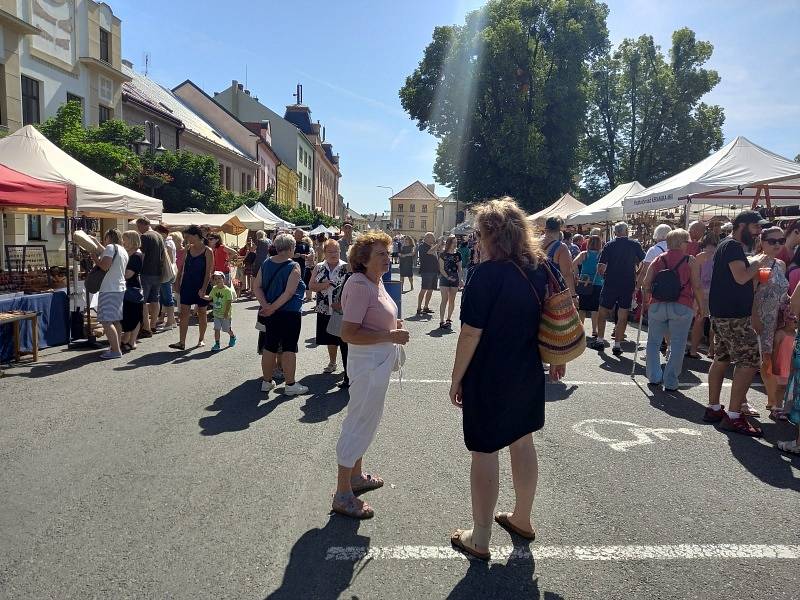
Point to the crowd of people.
(733, 287)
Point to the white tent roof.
(263, 211)
(251, 220)
(320, 229)
(563, 207)
(738, 173)
(91, 194)
(607, 208)
(227, 223)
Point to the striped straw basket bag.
(561, 334)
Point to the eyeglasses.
(774, 241)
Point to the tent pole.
(67, 273)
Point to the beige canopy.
(90, 194)
(563, 207)
(226, 223)
(251, 220)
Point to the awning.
(20, 192)
(227, 223)
(607, 208)
(263, 211)
(563, 207)
(320, 229)
(29, 152)
(251, 220)
(740, 173)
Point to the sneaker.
(267, 385)
(215, 347)
(232, 341)
(109, 354)
(713, 416)
(617, 350)
(740, 425)
(295, 389)
(331, 368)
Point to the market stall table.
(14, 319)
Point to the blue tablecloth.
(53, 309)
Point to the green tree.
(645, 120)
(505, 95)
(182, 180)
(106, 149)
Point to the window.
(34, 227)
(399, 222)
(423, 224)
(243, 183)
(413, 208)
(105, 89)
(424, 209)
(30, 101)
(399, 208)
(221, 176)
(105, 114)
(411, 223)
(228, 179)
(74, 98)
(249, 182)
(105, 45)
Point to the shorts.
(430, 281)
(166, 295)
(151, 287)
(590, 302)
(447, 283)
(735, 342)
(222, 324)
(283, 332)
(611, 297)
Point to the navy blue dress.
(194, 274)
(503, 387)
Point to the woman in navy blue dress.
(498, 379)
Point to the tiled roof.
(353, 215)
(149, 92)
(300, 117)
(416, 191)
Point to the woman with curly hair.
(498, 346)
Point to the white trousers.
(369, 369)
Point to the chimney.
(240, 86)
(323, 134)
(431, 187)
(247, 92)
(234, 84)
(127, 63)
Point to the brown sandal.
(457, 542)
(350, 508)
(503, 519)
(367, 483)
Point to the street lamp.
(386, 187)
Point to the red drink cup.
(763, 274)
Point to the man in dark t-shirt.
(302, 254)
(730, 303)
(152, 246)
(428, 271)
(617, 264)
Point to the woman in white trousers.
(373, 332)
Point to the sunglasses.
(774, 241)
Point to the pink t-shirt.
(368, 304)
(794, 279)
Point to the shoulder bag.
(561, 334)
(169, 270)
(585, 286)
(95, 277)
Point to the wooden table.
(15, 318)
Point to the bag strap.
(525, 277)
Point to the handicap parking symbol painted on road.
(642, 435)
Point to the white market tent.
(563, 207)
(739, 173)
(227, 223)
(321, 229)
(90, 194)
(263, 211)
(606, 209)
(251, 220)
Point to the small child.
(221, 298)
(782, 367)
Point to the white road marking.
(642, 434)
(598, 553)
(626, 383)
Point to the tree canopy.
(646, 120)
(505, 95)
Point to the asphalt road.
(170, 475)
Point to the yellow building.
(286, 192)
(414, 210)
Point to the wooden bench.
(15, 318)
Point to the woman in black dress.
(498, 347)
(407, 251)
(133, 300)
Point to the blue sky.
(352, 57)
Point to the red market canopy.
(20, 192)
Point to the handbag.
(561, 334)
(335, 324)
(94, 279)
(169, 270)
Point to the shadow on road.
(238, 408)
(309, 574)
(54, 367)
(556, 391)
(325, 400)
(515, 579)
(766, 462)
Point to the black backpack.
(667, 284)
